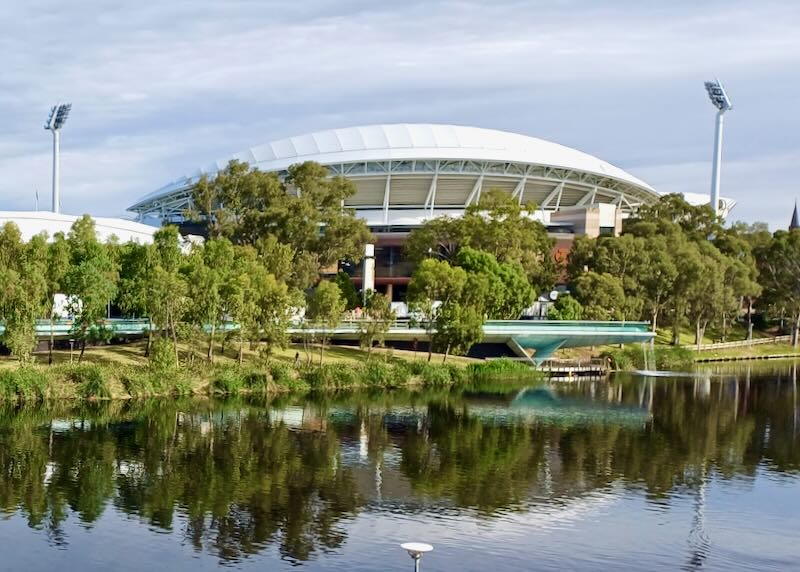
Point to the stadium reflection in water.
(679, 473)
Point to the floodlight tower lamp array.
(719, 98)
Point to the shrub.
(256, 381)
(91, 381)
(502, 367)
(674, 358)
(26, 383)
(380, 374)
(281, 374)
(667, 358)
(138, 382)
(436, 375)
(162, 355)
(228, 381)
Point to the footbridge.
(523, 337)
(535, 340)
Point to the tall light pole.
(721, 101)
(55, 121)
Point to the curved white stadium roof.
(433, 149)
(31, 223)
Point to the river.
(697, 472)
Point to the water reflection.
(234, 478)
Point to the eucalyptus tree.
(503, 287)
(23, 289)
(566, 307)
(134, 282)
(324, 308)
(58, 261)
(601, 296)
(435, 285)
(780, 276)
(90, 282)
(378, 318)
(498, 225)
(277, 306)
(166, 284)
(304, 212)
(209, 267)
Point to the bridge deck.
(522, 336)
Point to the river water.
(670, 473)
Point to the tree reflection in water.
(236, 477)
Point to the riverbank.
(122, 372)
(669, 358)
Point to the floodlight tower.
(721, 101)
(55, 121)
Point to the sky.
(161, 88)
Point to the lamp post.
(416, 550)
(55, 121)
(721, 101)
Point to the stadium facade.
(406, 174)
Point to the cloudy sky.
(160, 88)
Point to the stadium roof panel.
(452, 150)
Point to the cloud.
(162, 87)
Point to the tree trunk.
(149, 338)
(698, 336)
(676, 333)
(321, 349)
(83, 349)
(654, 320)
(173, 328)
(430, 345)
(210, 354)
(446, 353)
(52, 342)
(795, 330)
(724, 327)
(749, 318)
(241, 348)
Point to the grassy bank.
(665, 358)
(122, 372)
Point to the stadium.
(406, 174)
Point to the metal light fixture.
(721, 101)
(55, 121)
(416, 550)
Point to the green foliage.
(348, 290)
(250, 207)
(324, 308)
(23, 289)
(281, 374)
(504, 287)
(91, 380)
(161, 356)
(497, 225)
(666, 358)
(601, 296)
(377, 319)
(90, 281)
(565, 308)
(25, 383)
(502, 367)
(228, 380)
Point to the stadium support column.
(368, 281)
